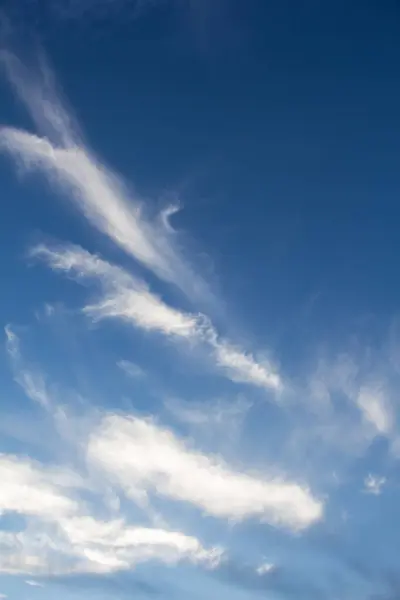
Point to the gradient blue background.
(276, 124)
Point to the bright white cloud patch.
(125, 296)
(265, 568)
(85, 545)
(142, 457)
(129, 299)
(79, 521)
(96, 191)
(61, 536)
(28, 488)
(243, 368)
(374, 484)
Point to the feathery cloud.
(220, 412)
(375, 410)
(96, 191)
(86, 545)
(61, 531)
(31, 382)
(103, 199)
(143, 457)
(129, 299)
(131, 369)
(374, 484)
(125, 296)
(265, 568)
(34, 583)
(61, 536)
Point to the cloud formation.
(34, 583)
(97, 192)
(62, 535)
(375, 409)
(374, 484)
(265, 568)
(71, 522)
(30, 489)
(143, 458)
(129, 299)
(223, 413)
(32, 383)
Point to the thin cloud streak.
(32, 383)
(34, 583)
(96, 191)
(129, 299)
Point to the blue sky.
(200, 356)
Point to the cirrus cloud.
(143, 457)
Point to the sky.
(200, 326)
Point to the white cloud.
(125, 296)
(34, 385)
(31, 382)
(129, 299)
(3, 596)
(113, 545)
(265, 568)
(142, 457)
(62, 532)
(374, 484)
(97, 192)
(87, 545)
(243, 368)
(61, 536)
(34, 583)
(131, 369)
(30, 489)
(351, 402)
(105, 202)
(374, 407)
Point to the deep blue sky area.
(258, 327)
(275, 123)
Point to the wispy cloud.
(352, 401)
(62, 535)
(62, 531)
(375, 409)
(208, 413)
(31, 382)
(143, 457)
(96, 191)
(34, 583)
(373, 484)
(129, 299)
(87, 545)
(265, 568)
(243, 368)
(131, 369)
(125, 296)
